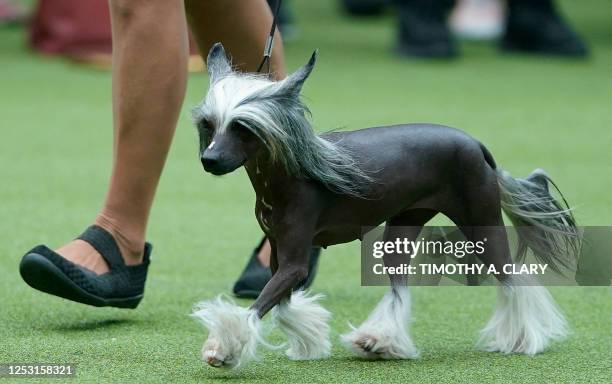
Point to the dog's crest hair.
(274, 112)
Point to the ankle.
(264, 253)
(129, 240)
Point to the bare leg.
(149, 74)
(242, 27)
(264, 254)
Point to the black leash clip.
(270, 41)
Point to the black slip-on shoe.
(255, 276)
(122, 286)
(423, 31)
(538, 28)
(365, 7)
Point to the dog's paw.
(364, 345)
(233, 333)
(367, 344)
(373, 345)
(215, 356)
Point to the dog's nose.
(209, 162)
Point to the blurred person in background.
(530, 26)
(478, 19)
(107, 265)
(81, 31)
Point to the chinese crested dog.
(320, 190)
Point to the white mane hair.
(274, 112)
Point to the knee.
(124, 11)
(127, 8)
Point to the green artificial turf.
(55, 151)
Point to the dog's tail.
(544, 224)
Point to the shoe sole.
(426, 53)
(508, 46)
(247, 294)
(41, 274)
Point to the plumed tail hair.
(544, 224)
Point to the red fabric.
(75, 27)
(71, 26)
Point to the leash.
(270, 41)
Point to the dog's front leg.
(301, 318)
(234, 332)
(289, 261)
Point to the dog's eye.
(206, 131)
(237, 127)
(245, 134)
(205, 125)
(242, 131)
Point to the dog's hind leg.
(384, 334)
(526, 318)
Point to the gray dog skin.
(406, 175)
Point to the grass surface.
(55, 155)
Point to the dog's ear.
(292, 85)
(217, 63)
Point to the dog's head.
(243, 114)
